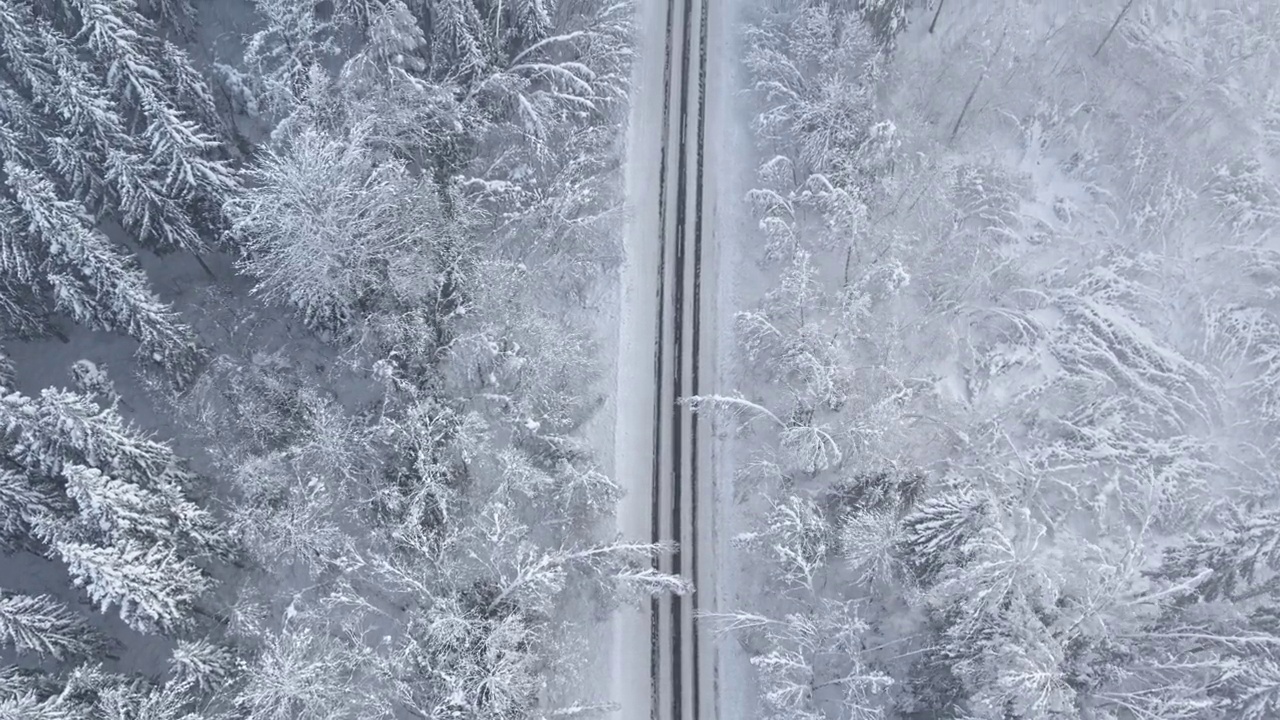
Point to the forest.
(294, 301)
(301, 334)
(1010, 396)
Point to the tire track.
(655, 607)
(674, 497)
(677, 411)
(697, 349)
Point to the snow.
(219, 304)
(729, 164)
(634, 392)
(730, 281)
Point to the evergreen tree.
(100, 119)
(16, 682)
(529, 21)
(92, 379)
(156, 217)
(153, 588)
(188, 88)
(60, 428)
(70, 93)
(32, 707)
(937, 531)
(21, 500)
(204, 664)
(458, 41)
(281, 56)
(62, 86)
(121, 511)
(1256, 689)
(142, 700)
(178, 15)
(1239, 561)
(41, 625)
(89, 278)
(394, 40)
(886, 18)
(124, 43)
(21, 313)
(110, 502)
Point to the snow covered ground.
(725, 680)
(728, 279)
(634, 396)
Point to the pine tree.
(1256, 689)
(158, 219)
(204, 664)
(7, 373)
(21, 313)
(199, 533)
(121, 511)
(16, 682)
(936, 533)
(142, 700)
(530, 21)
(61, 427)
(294, 39)
(1000, 611)
(31, 707)
(886, 18)
(1239, 561)
(62, 86)
(21, 500)
(125, 485)
(139, 67)
(189, 89)
(93, 131)
(395, 42)
(84, 684)
(153, 588)
(41, 625)
(92, 379)
(458, 41)
(178, 15)
(178, 147)
(90, 279)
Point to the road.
(662, 453)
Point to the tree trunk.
(967, 101)
(956, 128)
(1124, 11)
(207, 271)
(936, 13)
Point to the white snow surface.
(729, 162)
(634, 391)
(730, 280)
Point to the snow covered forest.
(298, 343)
(304, 307)
(1011, 387)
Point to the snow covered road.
(663, 661)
